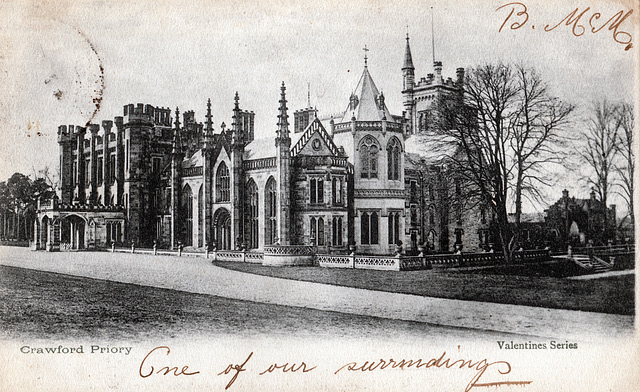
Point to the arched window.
(187, 204)
(393, 159)
(369, 228)
(316, 190)
(222, 183)
(316, 230)
(336, 190)
(394, 227)
(337, 231)
(369, 158)
(270, 206)
(252, 197)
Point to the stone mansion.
(363, 178)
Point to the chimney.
(460, 77)
(437, 66)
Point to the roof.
(367, 107)
(260, 148)
(408, 61)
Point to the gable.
(315, 141)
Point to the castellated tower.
(421, 99)
(65, 142)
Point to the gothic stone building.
(360, 178)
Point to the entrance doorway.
(222, 228)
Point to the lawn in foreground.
(45, 305)
(608, 295)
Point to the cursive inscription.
(146, 372)
(502, 367)
(580, 22)
(237, 369)
(288, 368)
(481, 368)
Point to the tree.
(19, 201)
(599, 152)
(538, 140)
(507, 129)
(478, 127)
(626, 164)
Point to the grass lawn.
(610, 295)
(44, 305)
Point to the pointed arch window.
(222, 183)
(316, 232)
(337, 231)
(369, 158)
(252, 196)
(270, 205)
(187, 204)
(369, 228)
(393, 159)
(394, 227)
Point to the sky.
(180, 53)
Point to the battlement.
(437, 79)
(145, 113)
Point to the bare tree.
(537, 138)
(599, 152)
(626, 166)
(478, 126)
(508, 129)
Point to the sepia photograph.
(318, 196)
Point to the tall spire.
(283, 117)
(408, 60)
(237, 135)
(177, 143)
(209, 129)
(433, 45)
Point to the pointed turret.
(408, 61)
(237, 176)
(283, 163)
(208, 132)
(177, 143)
(364, 103)
(408, 83)
(209, 123)
(282, 134)
(408, 68)
(237, 134)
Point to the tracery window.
(369, 158)
(222, 183)
(270, 206)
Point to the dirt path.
(197, 275)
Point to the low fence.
(289, 255)
(405, 263)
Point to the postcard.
(318, 195)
